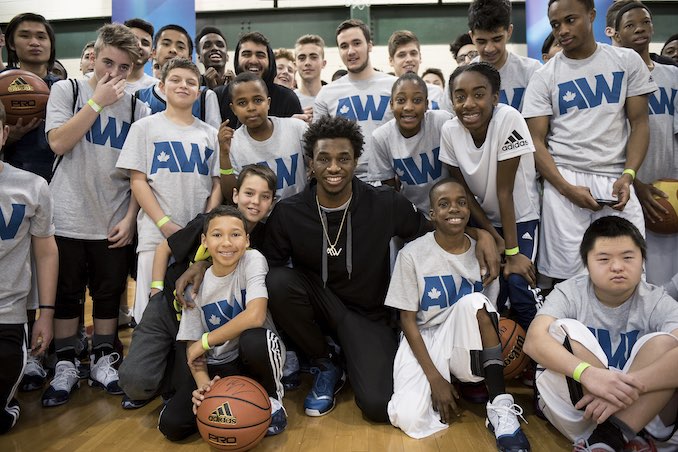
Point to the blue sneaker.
(329, 379)
(502, 420)
(278, 418)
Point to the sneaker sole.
(51, 403)
(96, 384)
(340, 385)
(490, 427)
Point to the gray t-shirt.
(435, 97)
(365, 101)
(507, 137)
(180, 163)
(586, 101)
(415, 160)
(282, 152)
(25, 211)
(90, 194)
(221, 299)
(427, 279)
(515, 76)
(304, 100)
(661, 160)
(649, 310)
(144, 82)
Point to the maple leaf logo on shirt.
(434, 294)
(569, 96)
(163, 157)
(400, 171)
(343, 110)
(214, 320)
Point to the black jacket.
(359, 276)
(284, 103)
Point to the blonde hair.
(120, 37)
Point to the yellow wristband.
(581, 367)
(630, 172)
(226, 172)
(512, 251)
(205, 342)
(163, 221)
(160, 285)
(96, 107)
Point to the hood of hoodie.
(271, 72)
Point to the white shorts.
(144, 277)
(554, 395)
(563, 223)
(661, 263)
(448, 344)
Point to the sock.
(493, 367)
(607, 433)
(102, 344)
(65, 348)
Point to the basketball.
(235, 414)
(24, 95)
(669, 222)
(512, 338)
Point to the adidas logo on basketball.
(514, 141)
(223, 415)
(19, 84)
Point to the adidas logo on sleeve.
(514, 141)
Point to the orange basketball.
(512, 338)
(24, 95)
(235, 414)
(669, 222)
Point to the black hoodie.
(359, 276)
(284, 103)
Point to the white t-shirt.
(586, 102)
(661, 160)
(179, 163)
(415, 160)
(427, 279)
(221, 299)
(144, 82)
(435, 97)
(515, 76)
(304, 100)
(365, 101)
(90, 194)
(212, 112)
(282, 152)
(507, 137)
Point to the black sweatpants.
(260, 357)
(13, 354)
(300, 305)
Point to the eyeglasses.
(463, 57)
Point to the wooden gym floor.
(94, 421)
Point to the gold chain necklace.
(331, 249)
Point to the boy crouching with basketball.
(450, 327)
(608, 343)
(229, 331)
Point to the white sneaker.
(502, 420)
(103, 374)
(34, 374)
(65, 379)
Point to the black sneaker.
(129, 404)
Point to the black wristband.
(43, 306)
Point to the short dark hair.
(339, 73)
(668, 41)
(333, 127)
(12, 58)
(355, 23)
(489, 15)
(610, 227)
(441, 182)
(483, 68)
(548, 43)
(409, 77)
(260, 170)
(255, 37)
(587, 3)
(205, 31)
(178, 63)
(435, 71)
(626, 8)
(461, 41)
(141, 24)
(611, 14)
(245, 77)
(400, 38)
(178, 28)
(223, 211)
